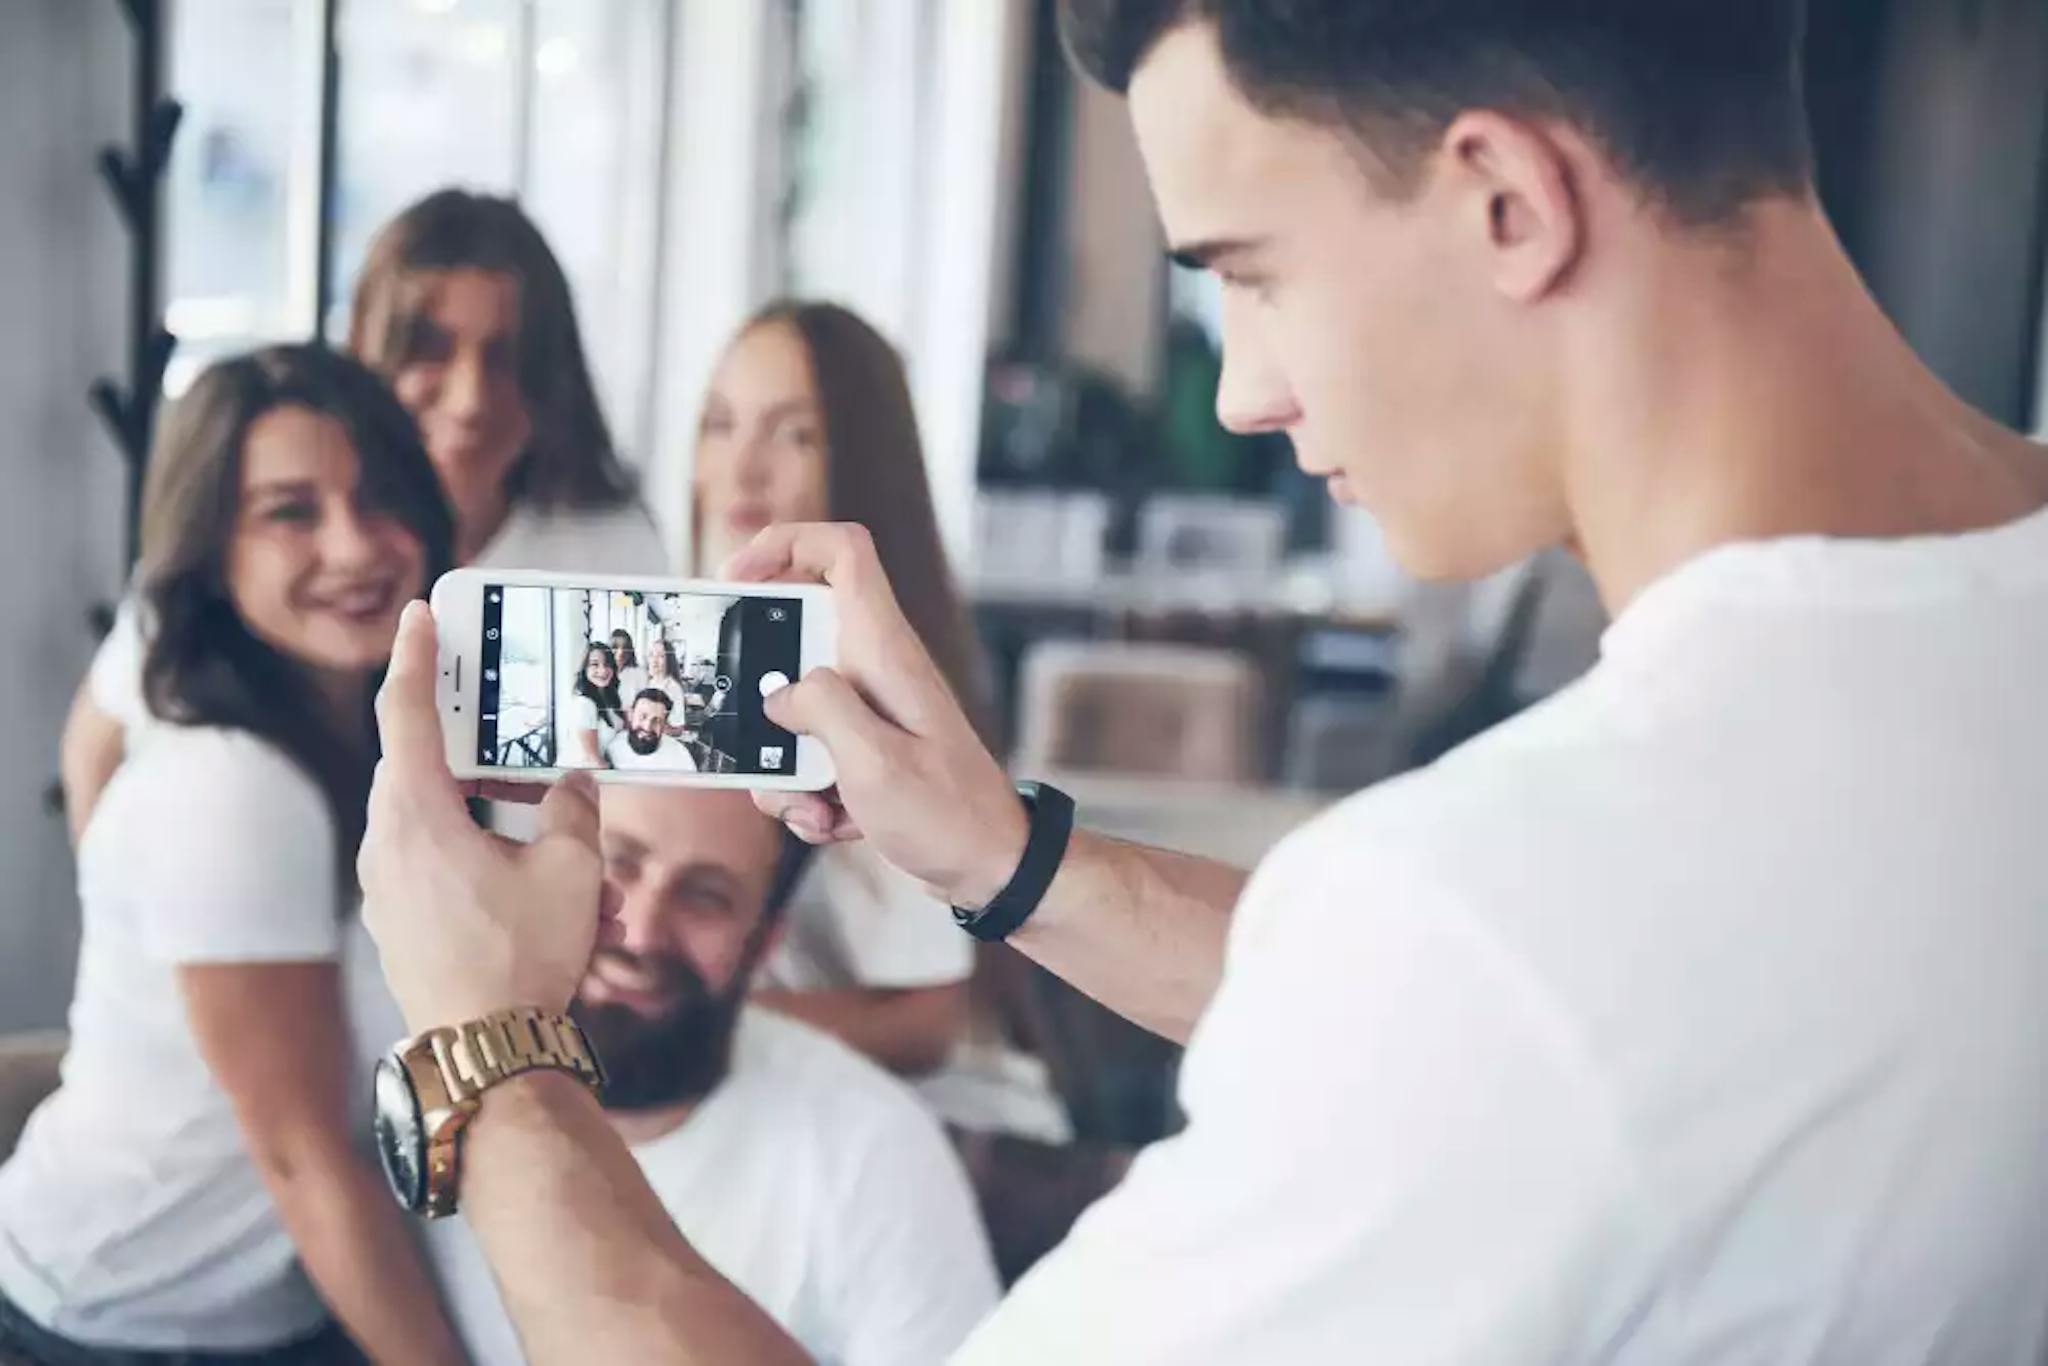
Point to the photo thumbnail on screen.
(602, 678)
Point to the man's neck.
(645, 1126)
(1758, 392)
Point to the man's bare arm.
(1139, 929)
(590, 1265)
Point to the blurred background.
(1175, 621)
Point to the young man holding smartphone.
(1692, 1014)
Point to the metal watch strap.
(477, 1055)
(467, 1060)
(1052, 827)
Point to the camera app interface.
(603, 679)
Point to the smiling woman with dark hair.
(464, 311)
(595, 712)
(191, 1187)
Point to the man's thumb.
(570, 810)
(831, 710)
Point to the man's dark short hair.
(1698, 102)
(655, 695)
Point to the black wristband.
(1052, 825)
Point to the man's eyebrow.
(621, 845)
(1203, 255)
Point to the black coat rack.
(134, 176)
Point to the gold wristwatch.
(429, 1086)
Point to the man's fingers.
(809, 815)
(826, 707)
(498, 790)
(406, 719)
(569, 811)
(877, 644)
(836, 553)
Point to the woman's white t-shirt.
(854, 921)
(131, 1213)
(673, 687)
(578, 717)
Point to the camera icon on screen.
(778, 614)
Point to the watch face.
(401, 1135)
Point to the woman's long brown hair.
(570, 461)
(202, 665)
(874, 475)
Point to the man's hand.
(914, 779)
(467, 923)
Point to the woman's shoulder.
(212, 767)
(606, 540)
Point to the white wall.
(63, 91)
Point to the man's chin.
(651, 1061)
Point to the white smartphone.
(633, 679)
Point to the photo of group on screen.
(611, 680)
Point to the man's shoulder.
(1538, 776)
(211, 767)
(804, 1069)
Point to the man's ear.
(1521, 198)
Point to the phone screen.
(605, 678)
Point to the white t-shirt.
(620, 540)
(632, 679)
(1694, 1016)
(815, 1183)
(578, 717)
(131, 1214)
(856, 922)
(671, 756)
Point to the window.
(247, 153)
(557, 103)
(902, 132)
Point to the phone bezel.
(457, 600)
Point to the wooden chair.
(1159, 710)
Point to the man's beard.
(678, 1055)
(644, 742)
